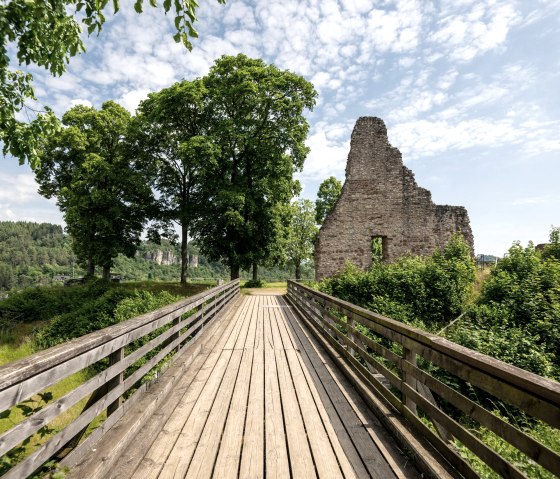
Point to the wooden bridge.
(302, 386)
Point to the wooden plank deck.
(261, 400)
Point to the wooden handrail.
(34, 374)
(384, 353)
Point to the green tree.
(168, 138)
(47, 34)
(328, 194)
(521, 298)
(302, 234)
(552, 249)
(256, 119)
(102, 195)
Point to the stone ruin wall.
(380, 198)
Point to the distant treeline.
(40, 254)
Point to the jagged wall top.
(380, 198)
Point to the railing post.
(352, 323)
(410, 356)
(174, 336)
(114, 358)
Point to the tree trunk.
(184, 253)
(234, 271)
(107, 272)
(298, 271)
(90, 269)
(255, 272)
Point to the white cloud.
(17, 188)
(79, 101)
(466, 35)
(132, 99)
(328, 153)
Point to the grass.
(16, 342)
(174, 288)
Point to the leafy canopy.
(168, 138)
(426, 292)
(328, 194)
(47, 34)
(302, 234)
(100, 192)
(255, 117)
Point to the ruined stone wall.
(380, 197)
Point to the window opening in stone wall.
(378, 248)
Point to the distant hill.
(40, 253)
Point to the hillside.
(40, 254)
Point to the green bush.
(425, 292)
(259, 283)
(113, 306)
(517, 317)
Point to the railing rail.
(166, 331)
(386, 352)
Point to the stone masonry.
(380, 198)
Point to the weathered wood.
(423, 452)
(362, 453)
(533, 394)
(36, 373)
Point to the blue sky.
(469, 91)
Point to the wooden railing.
(426, 379)
(120, 356)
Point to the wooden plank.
(208, 447)
(330, 458)
(252, 454)
(322, 449)
(276, 453)
(532, 383)
(178, 460)
(19, 371)
(229, 454)
(176, 381)
(525, 443)
(153, 462)
(423, 452)
(488, 455)
(362, 452)
(301, 460)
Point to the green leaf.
(138, 6)
(116, 5)
(5, 414)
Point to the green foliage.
(552, 249)
(543, 433)
(167, 138)
(102, 194)
(259, 283)
(517, 317)
(328, 194)
(302, 234)
(422, 291)
(32, 253)
(255, 117)
(113, 306)
(47, 34)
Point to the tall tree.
(168, 138)
(256, 118)
(102, 195)
(328, 194)
(302, 234)
(47, 34)
(552, 249)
